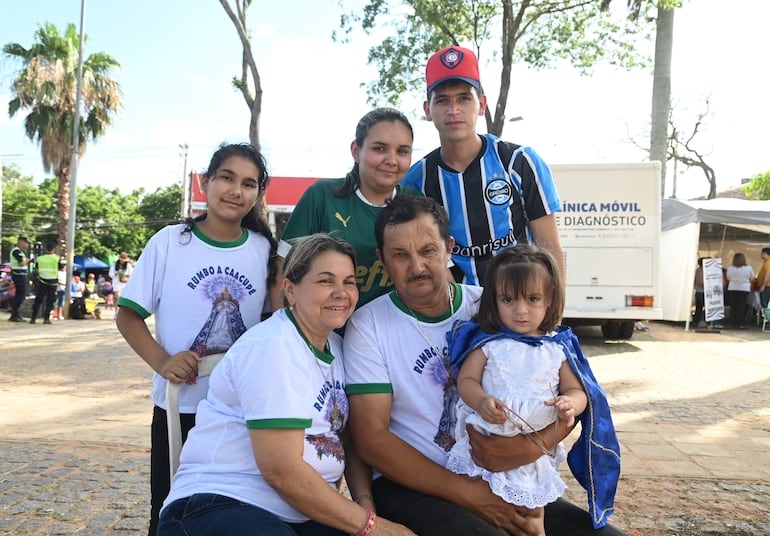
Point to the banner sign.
(199, 201)
(713, 290)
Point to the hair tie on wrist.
(371, 517)
(362, 497)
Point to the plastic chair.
(765, 317)
(205, 367)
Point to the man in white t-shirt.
(402, 393)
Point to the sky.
(178, 57)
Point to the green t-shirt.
(319, 210)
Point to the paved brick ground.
(72, 488)
(691, 411)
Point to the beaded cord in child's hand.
(565, 408)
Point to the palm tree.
(46, 87)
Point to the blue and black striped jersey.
(491, 203)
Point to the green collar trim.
(456, 303)
(325, 354)
(210, 241)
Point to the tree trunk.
(497, 123)
(253, 98)
(256, 113)
(661, 91)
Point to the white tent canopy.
(681, 221)
(751, 215)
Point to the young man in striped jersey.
(497, 194)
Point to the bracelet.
(362, 497)
(369, 525)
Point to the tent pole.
(722, 243)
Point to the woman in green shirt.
(346, 208)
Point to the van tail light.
(639, 301)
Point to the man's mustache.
(418, 277)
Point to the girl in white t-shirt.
(519, 382)
(206, 281)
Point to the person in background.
(739, 275)
(763, 279)
(20, 276)
(497, 194)
(45, 287)
(104, 287)
(120, 272)
(78, 286)
(6, 290)
(184, 274)
(266, 455)
(90, 285)
(347, 208)
(700, 296)
(61, 286)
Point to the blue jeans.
(208, 514)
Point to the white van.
(610, 229)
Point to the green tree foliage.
(45, 87)
(759, 186)
(107, 221)
(161, 207)
(26, 209)
(540, 34)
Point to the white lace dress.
(520, 375)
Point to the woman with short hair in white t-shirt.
(266, 454)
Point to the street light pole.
(70, 248)
(185, 184)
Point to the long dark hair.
(252, 220)
(353, 179)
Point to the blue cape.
(594, 459)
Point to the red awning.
(286, 191)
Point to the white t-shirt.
(120, 276)
(388, 350)
(269, 379)
(204, 295)
(739, 277)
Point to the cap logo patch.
(452, 58)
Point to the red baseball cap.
(452, 63)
